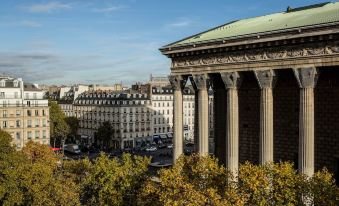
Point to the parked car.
(72, 148)
(151, 149)
(170, 146)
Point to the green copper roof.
(298, 17)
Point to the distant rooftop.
(291, 18)
(31, 87)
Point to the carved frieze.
(256, 55)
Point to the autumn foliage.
(36, 176)
(197, 180)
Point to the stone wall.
(327, 119)
(286, 117)
(249, 118)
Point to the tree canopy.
(32, 177)
(37, 176)
(197, 180)
(104, 133)
(59, 129)
(73, 124)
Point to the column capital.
(231, 79)
(201, 81)
(178, 82)
(266, 78)
(306, 77)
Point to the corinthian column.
(266, 81)
(178, 83)
(231, 81)
(306, 78)
(202, 83)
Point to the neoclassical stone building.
(276, 88)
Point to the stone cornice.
(258, 55)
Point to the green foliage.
(193, 180)
(323, 189)
(104, 133)
(31, 177)
(59, 129)
(73, 124)
(36, 176)
(114, 182)
(198, 180)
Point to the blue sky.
(108, 41)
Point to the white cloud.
(47, 7)
(31, 24)
(108, 9)
(183, 22)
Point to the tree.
(32, 177)
(104, 133)
(73, 124)
(193, 180)
(114, 182)
(196, 180)
(58, 126)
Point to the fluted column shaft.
(201, 83)
(306, 131)
(232, 82)
(266, 82)
(203, 121)
(306, 78)
(266, 126)
(178, 83)
(232, 130)
(178, 125)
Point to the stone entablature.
(260, 56)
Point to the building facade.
(162, 106)
(24, 113)
(129, 115)
(275, 85)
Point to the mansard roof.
(302, 17)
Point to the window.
(4, 113)
(2, 94)
(4, 124)
(18, 112)
(29, 135)
(37, 134)
(44, 122)
(37, 122)
(43, 113)
(29, 123)
(36, 112)
(17, 123)
(18, 103)
(29, 113)
(18, 135)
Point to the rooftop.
(317, 14)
